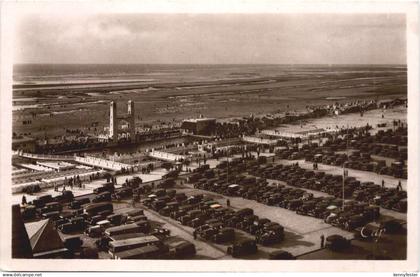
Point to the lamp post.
(227, 175)
(345, 172)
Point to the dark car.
(269, 237)
(243, 247)
(337, 243)
(185, 249)
(73, 243)
(102, 197)
(224, 235)
(391, 226)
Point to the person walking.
(383, 183)
(399, 187)
(24, 200)
(195, 234)
(228, 202)
(322, 240)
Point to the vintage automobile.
(94, 231)
(73, 243)
(51, 207)
(122, 193)
(144, 226)
(65, 196)
(135, 212)
(75, 224)
(269, 237)
(392, 226)
(206, 231)
(281, 255)
(29, 212)
(160, 232)
(102, 197)
(95, 219)
(96, 208)
(54, 215)
(224, 235)
(184, 250)
(337, 243)
(257, 225)
(242, 248)
(117, 219)
(400, 206)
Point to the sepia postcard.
(201, 136)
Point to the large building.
(199, 126)
(115, 119)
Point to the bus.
(123, 245)
(127, 236)
(122, 229)
(145, 252)
(93, 209)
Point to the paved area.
(390, 246)
(363, 176)
(373, 117)
(302, 233)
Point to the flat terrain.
(174, 95)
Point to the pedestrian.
(195, 234)
(399, 188)
(383, 183)
(322, 240)
(228, 202)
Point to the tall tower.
(113, 131)
(131, 120)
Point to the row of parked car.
(130, 235)
(356, 212)
(364, 146)
(127, 235)
(368, 192)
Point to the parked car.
(242, 248)
(281, 255)
(224, 235)
(337, 243)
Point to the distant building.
(200, 126)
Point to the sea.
(56, 74)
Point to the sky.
(211, 38)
